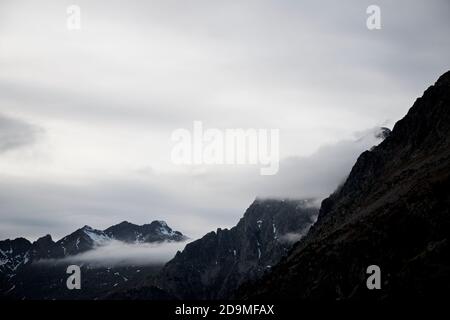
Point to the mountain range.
(392, 212)
(24, 275)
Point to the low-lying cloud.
(307, 177)
(322, 172)
(116, 253)
(291, 237)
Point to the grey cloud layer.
(15, 133)
(145, 68)
(191, 203)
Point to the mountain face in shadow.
(214, 266)
(392, 211)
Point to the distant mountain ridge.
(19, 254)
(153, 232)
(86, 238)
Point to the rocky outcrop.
(82, 240)
(46, 248)
(13, 253)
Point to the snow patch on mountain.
(97, 237)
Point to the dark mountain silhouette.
(392, 211)
(215, 265)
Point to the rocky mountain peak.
(423, 133)
(215, 265)
(156, 231)
(383, 133)
(161, 223)
(444, 80)
(47, 239)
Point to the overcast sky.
(86, 115)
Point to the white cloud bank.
(117, 253)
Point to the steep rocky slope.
(215, 265)
(392, 211)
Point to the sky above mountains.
(86, 115)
